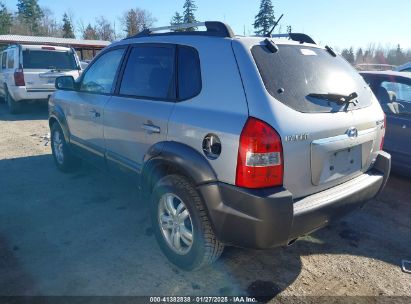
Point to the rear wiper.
(337, 98)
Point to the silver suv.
(243, 141)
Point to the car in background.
(28, 72)
(404, 68)
(393, 90)
(84, 64)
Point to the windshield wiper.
(337, 98)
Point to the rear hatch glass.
(50, 60)
(296, 72)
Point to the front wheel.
(181, 224)
(62, 155)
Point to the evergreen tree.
(265, 19)
(399, 56)
(359, 58)
(130, 23)
(30, 13)
(188, 15)
(5, 19)
(67, 27)
(348, 54)
(176, 20)
(90, 33)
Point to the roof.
(10, 39)
(387, 73)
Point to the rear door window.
(189, 74)
(398, 99)
(49, 59)
(3, 60)
(149, 73)
(10, 59)
(297, 71)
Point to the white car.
(28, 72)
(404, 68)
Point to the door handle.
(95, 113)
(150, 129)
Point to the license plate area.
(341, 163)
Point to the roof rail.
(302, 38)
(214, 28)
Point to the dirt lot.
(86, 233)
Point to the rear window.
(294, 72)
(189, 74)
(42, 59)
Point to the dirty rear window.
(56, 60)
(296, 71)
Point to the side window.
(10, 60)
(3, 60)
(398, 98)
(149, 73)
(189, 73)
(99, 78)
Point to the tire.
(204, 248)
(14, 106)
(63, 157)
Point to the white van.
(28, 72)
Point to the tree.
(5, 19)
(176, 20)
(136, 20)
(265, 19)
(49, 25)
(104, 29)
(348, 54)
(30, 13)
(399, 56)
(359, 57)
(188, 15)
(67, 27)
(90, 33)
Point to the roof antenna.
(275, 25)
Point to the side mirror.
(65, 83)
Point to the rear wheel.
(14, 106)
(181, 225)
(62, 155)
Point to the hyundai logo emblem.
(352, 133)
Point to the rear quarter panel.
(220, 108)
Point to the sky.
(337, 23)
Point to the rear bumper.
(270, 217)
(22, 93)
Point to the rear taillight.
(260, 156)
(19, 78)
(383, 134)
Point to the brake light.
(260, 156)
(19, 78)
(383, 135)
(48, 48)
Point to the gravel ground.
(86, 233)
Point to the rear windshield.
(295, 72)
(42, 59)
